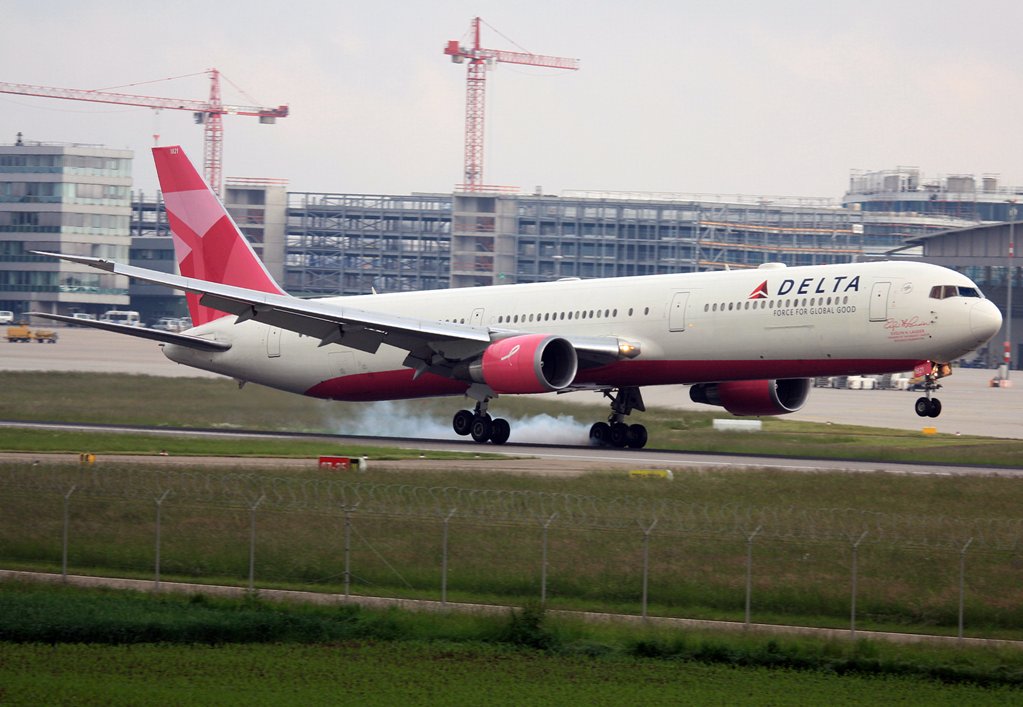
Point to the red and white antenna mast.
(479, 59)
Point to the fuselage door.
(273, 342)
(677, 313)
(477, 317)
(879, 301)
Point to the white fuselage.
(771, 322)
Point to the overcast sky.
(769, 97)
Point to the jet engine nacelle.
(758, 397)
(532, 363)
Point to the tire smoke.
(399, 419)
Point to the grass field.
(907, 570)
(103, 647)
(215, 403)
(907, 579)
(390, 673)
(14, 439)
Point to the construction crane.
(479, 60)
(207, 113)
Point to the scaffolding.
(349, 244)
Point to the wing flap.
(329, 322)
(165, 337)
(433, 346)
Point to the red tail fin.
(207, 243)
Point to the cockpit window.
(946, 291)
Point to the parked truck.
(22, 333)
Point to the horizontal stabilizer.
(166, 337)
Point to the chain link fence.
(605, 550)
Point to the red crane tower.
(208, 113)
(479, 60)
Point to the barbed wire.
(517, 507)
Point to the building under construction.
(356, 243)
(320, 244)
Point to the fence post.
(444, 562)
(646, 563)
(348, 547)
(749, 571)
(63, 554)
(962, 583)
(159, 504)
(543, 561)
(252, 542)
(852, 603)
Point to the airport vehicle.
(79, 317)
(169, 324)
(751, 341)
(6, 316)
(21, 333)
(128, 317)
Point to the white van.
(6, 316)
(128, 317)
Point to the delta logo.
(759, 292)
(809, 286)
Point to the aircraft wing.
(165, 337)
(432, 346)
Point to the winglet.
(207, 243)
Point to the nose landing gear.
(928, 406)
(615, 432)
(480, 426)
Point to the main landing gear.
(615, 432)
(928, 406)
(480, 426)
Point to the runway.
(515, 458)
(971, 406)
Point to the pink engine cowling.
(532, 363)
(755, 397)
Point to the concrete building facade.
(76, 199)
(65, 198)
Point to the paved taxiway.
(970, 405)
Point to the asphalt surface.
(970, 405)
(545, 459)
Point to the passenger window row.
(772, 304)
(559, 316)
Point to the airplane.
(747, 340)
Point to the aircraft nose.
(985, 319)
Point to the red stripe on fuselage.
(398, 385)
(386, 385)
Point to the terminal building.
(323, 243)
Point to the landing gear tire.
(922, 407)
(482, 429)
(462, 422)
(619, 435)
(928, 407)
(636, 437)
(615, 432)
(500, 430)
